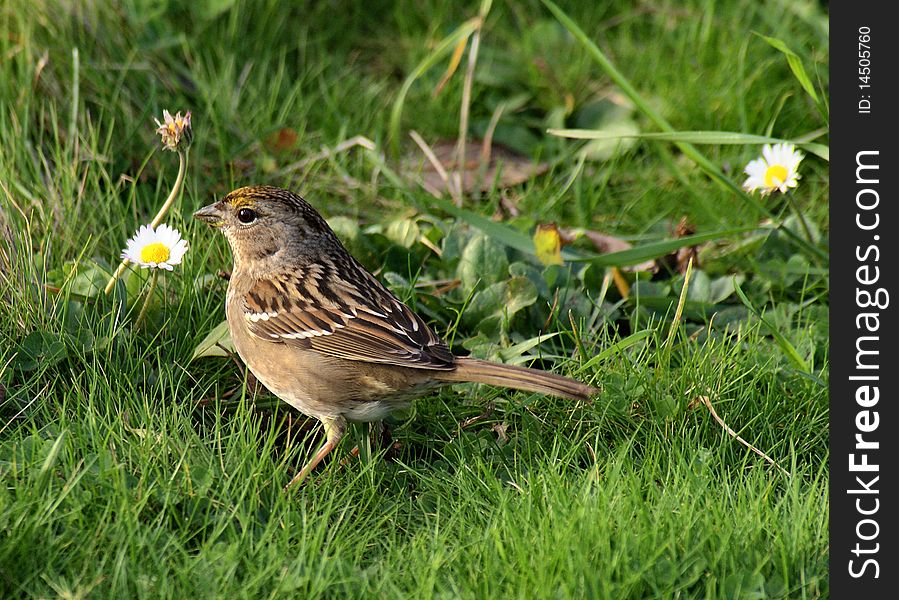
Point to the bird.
(323, 334)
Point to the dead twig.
(438, 167)
(358, 140)
(487, 146)
(708, 404)
(488, 412)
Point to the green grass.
(128, 470)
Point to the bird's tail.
(520, 378)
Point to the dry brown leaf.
(507, 207)
(500, 430)
(606, 244)
(41, 65)
(684, 255)
(282, 140)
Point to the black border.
(852, 131)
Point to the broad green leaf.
(699, 287)
(39, 349)
(498, 232)
(498, 303)
(534, 274)
(347, 229)
(89, 280)
(721, 288)
(613, 117)
(216, 343)
(620, 140)
(482, 260)
(404, 232)
(520, 293)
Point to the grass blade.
(453, 65)
(618, 347)
(76, 83)
(638, 254)
(678, 313)
(50, 459)
(695, 137)
(795, 65)
(781, 340)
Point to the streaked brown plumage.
(321, 333)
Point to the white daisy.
(159, 249)
(778, 169)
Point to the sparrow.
(323, 334)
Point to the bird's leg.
(335, 427)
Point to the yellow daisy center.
(775, 175)
(157, 252)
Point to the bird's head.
(262, 223)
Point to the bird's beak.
(212, 214)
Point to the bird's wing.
(315, 308)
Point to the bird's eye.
(246, 215)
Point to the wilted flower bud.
(175, 131)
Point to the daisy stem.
(795, 207)
(146, 306)
(176, 189)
